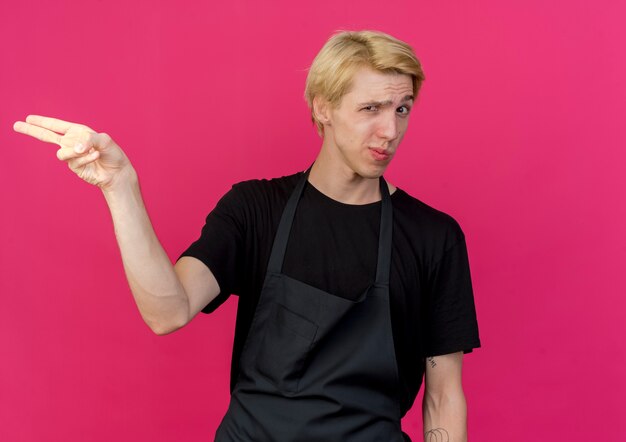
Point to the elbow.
(161, 328)
(164, 325)
(443, 398)
(161, 331)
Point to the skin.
(373, 114)
(343, 170)
(346, 171)
(101, 161)
(444, 408)
(169, 297)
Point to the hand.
(100, 161)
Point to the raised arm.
(166, 297)
(444, 409)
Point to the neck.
(335, 179)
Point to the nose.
(389, 126)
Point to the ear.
(321, 110)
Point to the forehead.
(372, 84)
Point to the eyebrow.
(385, 103)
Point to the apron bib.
(316, 366)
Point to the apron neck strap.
(384, 239)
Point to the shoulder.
(265, 189)
(258, 200)
(436, 230)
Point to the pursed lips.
(381, 151)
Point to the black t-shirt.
(333, 246)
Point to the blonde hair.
(330, 75)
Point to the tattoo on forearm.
(431, 359)
(436, 435)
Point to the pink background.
(518, 134)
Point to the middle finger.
(37, 132)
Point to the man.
(349, 288)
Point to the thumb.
(86, 144)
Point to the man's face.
(364, 131)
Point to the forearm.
(445, 418)
(158, 292)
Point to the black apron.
(316, 366)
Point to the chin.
(373, 172)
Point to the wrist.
(124, 181)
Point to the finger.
(37, 132)
(78, 148)
(67, 153)
(88, 144)
(76, 163)
(53, 124)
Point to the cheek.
(362, 130)
(347, 131)
(403, 129)
(354, 132)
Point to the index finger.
(37, 132)
(53, 124)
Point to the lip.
(381, 151)
(380, 154)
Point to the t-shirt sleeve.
(451, 323)
(220, 245)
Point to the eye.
(369, 108)
(406, 110)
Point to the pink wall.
(517, 135)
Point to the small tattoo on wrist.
(431, 359)
(436, 435)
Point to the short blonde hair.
(330, 75)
